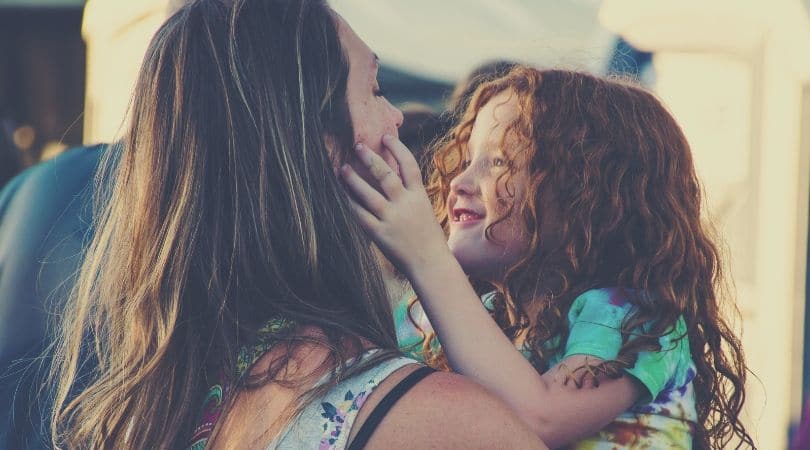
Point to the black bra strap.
(382, 408)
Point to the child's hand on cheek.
(362, 169)
(399, 217)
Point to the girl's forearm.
(476, 347)
(474, 344)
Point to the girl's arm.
(551, 404)
(401, 221)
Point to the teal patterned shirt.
(663, 419)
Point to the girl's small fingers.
(368, 197)
(366, 219)
(389, 159)
(381, 171)
(408, 166)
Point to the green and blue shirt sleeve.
(595, 323)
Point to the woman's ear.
(335, 156)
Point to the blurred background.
(736, 74)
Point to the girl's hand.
(400, 219)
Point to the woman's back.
(427, 409)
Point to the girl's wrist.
(433, 261)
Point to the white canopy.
(445, 39)
(441, 40)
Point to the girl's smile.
(465, 217)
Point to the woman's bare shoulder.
(449, 411)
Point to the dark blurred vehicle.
(45, 222)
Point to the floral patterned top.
(324, 424)
(664, 419)
(213, 403)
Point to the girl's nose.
(464, 183)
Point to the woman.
(227, 260)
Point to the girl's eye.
(379, 92)
(499, 162)
(465, 164)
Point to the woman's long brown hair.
(613, 170)
(218, 211)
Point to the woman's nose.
(398, 116)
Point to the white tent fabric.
(441, 39)
(445, 39)
(41, 3)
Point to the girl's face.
(477, 197)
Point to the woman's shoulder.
(446, 410)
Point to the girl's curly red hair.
(628, 207)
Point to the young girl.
(574, 277)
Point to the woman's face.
(371, 114)
(481, 194)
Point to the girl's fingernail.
(358, 146)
